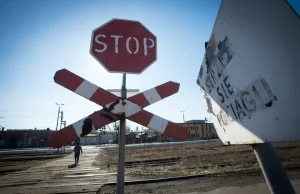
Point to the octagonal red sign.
(123, 46)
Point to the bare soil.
(221, 169)
(58, 175)
(230, 183)
(194, 159)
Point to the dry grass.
(194, 159)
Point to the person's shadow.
(72, 166)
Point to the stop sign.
(123, 46)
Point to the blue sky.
(40, 37)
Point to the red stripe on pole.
(164, 90)
(176, 131)
(167, 89)
(103, 97)
(62, 137)
(68, 134)
(142, 118)
(139, 99)
(68, 79)
(172, 130)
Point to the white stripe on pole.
(152, 95)
(157, 123)
(86, 89)
(78, 126)
(129, 108)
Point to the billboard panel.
(250, 74)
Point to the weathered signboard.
(250, 72)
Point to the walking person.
(76, 151)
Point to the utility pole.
(58, 114)
(2, 128)
(61, 119)
(58, 118)
(183, 116)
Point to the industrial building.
(19, 138)
(199, 129)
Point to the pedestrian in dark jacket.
(76, 151)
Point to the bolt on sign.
(126, 47)
(250, 72)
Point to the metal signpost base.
(122, 131)
(272, 168)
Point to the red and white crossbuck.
(114, 107)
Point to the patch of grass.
(194, 159)
(174, 171)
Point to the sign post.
(272, 168)
(122, 135)
(249, 79)
(126, 47)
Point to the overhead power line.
(27, 111)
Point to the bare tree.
(128, 128)
(116, 128)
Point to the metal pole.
(61, 119)
(121, 162)
(272, 168)
(183, 116)
(57, 117)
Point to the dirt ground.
(12, 163)
(194, 159)
(224, 184)
(224, 169)
(57, 176)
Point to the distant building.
(131, 138)
(97, 138)
(107, 136)
(199, 129)
(90, 139)
(19, 138)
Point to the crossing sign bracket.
(129, 92)
(114, 108)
